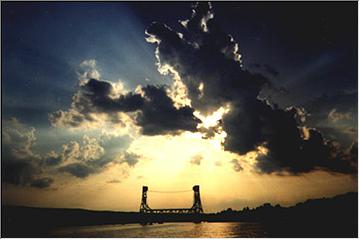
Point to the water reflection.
(175, 230)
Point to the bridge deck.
(170, 210)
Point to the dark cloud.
(306, 155)
(208, 63)
(160, 116)
(19, 164)
(80, 170)
(42, 182)
(17, 172)
(203, 55)
(130, 158)
(343, 134)
(154, 111)
(96, 94)
(52, 159)
(22, 166)
(24, 173)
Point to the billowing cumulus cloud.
(69, 118)
(160, 116)
(20, 165)
(91, 156)
(209, 78)
(151, 108)
(92, 98)
(83, 159)
(208, 64)
(72, 152)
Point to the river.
(166, 230)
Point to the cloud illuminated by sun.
(212, 119)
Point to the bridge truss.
(196, 207)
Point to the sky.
(255, 102)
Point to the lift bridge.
(196, 207)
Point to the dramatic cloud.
(151, 108)
(73, 152)
(160, 116)
(90, 157)
(207, 63)
(95, 97)
(82, 159)
(20, 165)
(212, 93)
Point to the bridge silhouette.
(196, 208)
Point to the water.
(166, 230)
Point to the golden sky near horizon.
(167, 166)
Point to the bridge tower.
(144, 207)
(197, 207)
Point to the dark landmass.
(325, 217)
